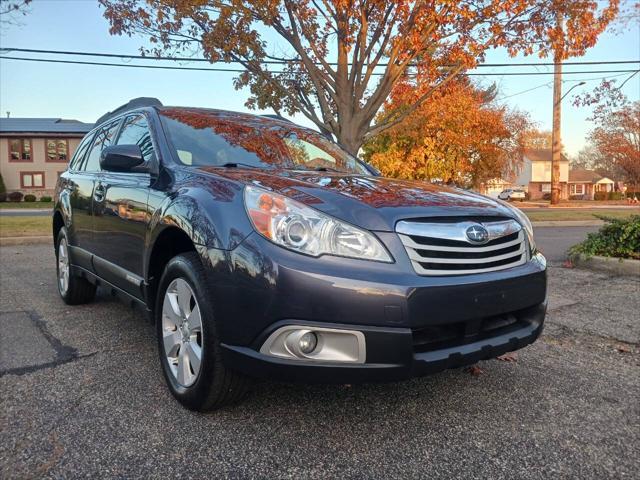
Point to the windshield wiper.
(237, 165)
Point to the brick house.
(535, 173)
(34, 151)
(583, 184)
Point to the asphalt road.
(82, 395)
(554, 242)
(26, 212)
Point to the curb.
(617, 266)
(568, 223)
(8, 241)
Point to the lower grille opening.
(437, 337)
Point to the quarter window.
(135, 131)
(103, 139)
(57, 150)
(32, 179)
(20, 150)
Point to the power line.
(236, 70)
(548, 84)
(286, 62)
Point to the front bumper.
(392, 353)
(413, 325)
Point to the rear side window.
(80, 153)
(104, 138)
(135, 131)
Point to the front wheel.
(187, 340)
(73, 290)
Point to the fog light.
(308, 342)
(319, 344)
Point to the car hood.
(374, 203)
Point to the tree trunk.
(556, 141)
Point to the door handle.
(99, 192)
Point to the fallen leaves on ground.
(475, 370)
(623, 348)
(511, 357)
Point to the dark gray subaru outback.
(261, 249)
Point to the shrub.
(29, 198)
(576, 197)
(617, 238)
(615, 195)
(3, 190)
(46, 198)
(546, 196)
(15, 196)
(600, 196)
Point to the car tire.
(74, 290)
(200, 383)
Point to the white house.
(535, 173)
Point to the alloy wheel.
(182, 332)
(63, 266)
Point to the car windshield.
(217, 139)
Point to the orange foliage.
(617, 138)
(458, 136)
(345, 57)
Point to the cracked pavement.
(82, 395)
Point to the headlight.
(303, 229)
(526, 224)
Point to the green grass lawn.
(9, 205)
(586, 214)
(24, 226)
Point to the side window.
(135, 131)
(103, 139)
(81, 151)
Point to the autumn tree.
(337, 61)
(537, 139)
(616, 138)
(12, 10)
(461, 136)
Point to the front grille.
(442, 248)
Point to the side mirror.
(121, 158)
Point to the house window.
(577, 189)
(32, 179)
(57, 150)
(20, 150)
(545, 187)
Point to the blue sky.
(86, 92)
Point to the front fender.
(208, 221)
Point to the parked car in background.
(512, 194)
(262, 249)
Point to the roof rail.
(131, 104)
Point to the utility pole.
(556, 143)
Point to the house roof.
(541, 155)
(43, 125)
(586, 176)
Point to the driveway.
(82, 395)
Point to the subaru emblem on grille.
(477, 234)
